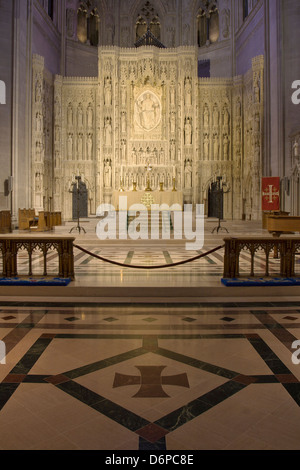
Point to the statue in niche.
(206, 147)
(80, 117)
(134, 156)
(173, 151)
(226, 147)
(70, 116)
(107, 92)
(38, 92)
(173, 123)
(161, 156)
(123, 97)
(206, 117)
(108, 133)
(107, 174)
(110, 32)
(216, 117)
(38, 182)
(38, 122)
(256, 91)
(172, 95)
(123, 122)
(296, 149)
(90, 117)
(38, 151)
(188, 175)
(70, 146)
(188, 92)
(80, 146)
(226, 118)
(188, 132)
(216, 147)
(90, 146)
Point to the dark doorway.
(215, 201)
(80, 200)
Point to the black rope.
(123, 265)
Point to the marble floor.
(149, 377)
(209, 374)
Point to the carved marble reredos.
(190, 128)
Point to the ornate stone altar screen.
(147, 107)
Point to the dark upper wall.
(250, 39)
(46, 38)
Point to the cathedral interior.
(136, 342)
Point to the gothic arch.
(207, 22)
(159, 10)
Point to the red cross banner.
(271, 194)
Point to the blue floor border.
(34, 282)
(260, 282)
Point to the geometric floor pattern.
(150, 377)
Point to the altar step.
(210, 293)
(154, 223)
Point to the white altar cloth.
(139, 197)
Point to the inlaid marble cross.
(151, 381)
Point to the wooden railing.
(11, 245)
(286, 248)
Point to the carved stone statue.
(90, 146)
(107, 174)
(216, 147)
(148, 111)
(188, 175)
(90, 117)
(226, 147)
(216, 117)
(206, 147)
(70, 116)
(188, 92)
(107, 92)
(206, 117)
(70, 146)
(80, 146)
(296, 149)
(173, 123)
(108, 133)
(80, 117)
(188, 132)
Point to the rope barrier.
(123, 265)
